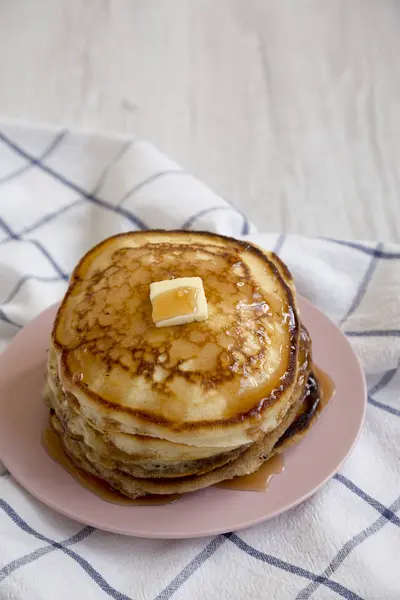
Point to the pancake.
(103, 459)
(144, 449)
(206, 384)
(306, 415)
(174, 409)
(248, 462)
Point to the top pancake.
(219, 382)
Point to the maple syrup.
(258, 481)
(255, 482)
(326, 386)
(321, 390)
(54, 448)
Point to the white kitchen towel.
(60, 194)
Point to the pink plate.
(307, 466)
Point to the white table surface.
(289, 108)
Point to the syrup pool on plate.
(53, 446)
(255, 482)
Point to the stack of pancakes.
(175, 409)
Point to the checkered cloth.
(62, 193)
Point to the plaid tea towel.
(60, 193)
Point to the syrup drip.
(54, 448)
(327, 387)
(258, 481)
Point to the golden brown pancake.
(203, 384)
(145, 450)
(248, 462)
(126, 474)
(175, 409)
(103, 454)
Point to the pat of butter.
(178, 301)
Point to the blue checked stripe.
(3, 317)
(57, 213)
(118, 208)
(381, 508)
(384, 381)
(49, 257)
(70, 184)
(279, 244)
(33, 556)
(188, 224)
(21, 282)
(379, 253)
(375, 333)
(361, 291)
(347, 549)
(376, 253)
(293, 569)
(385, 407)
(8, 230)
(191, 567)
(103, 176)
(14, 236)
(86, 566)
(362, 288)
(49, 150)
(216, 543)
(113, 162)
(50, 217)
(136, 188)
(61, 275)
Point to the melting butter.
(178, 301)
(174, 303)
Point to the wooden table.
(289, 108)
